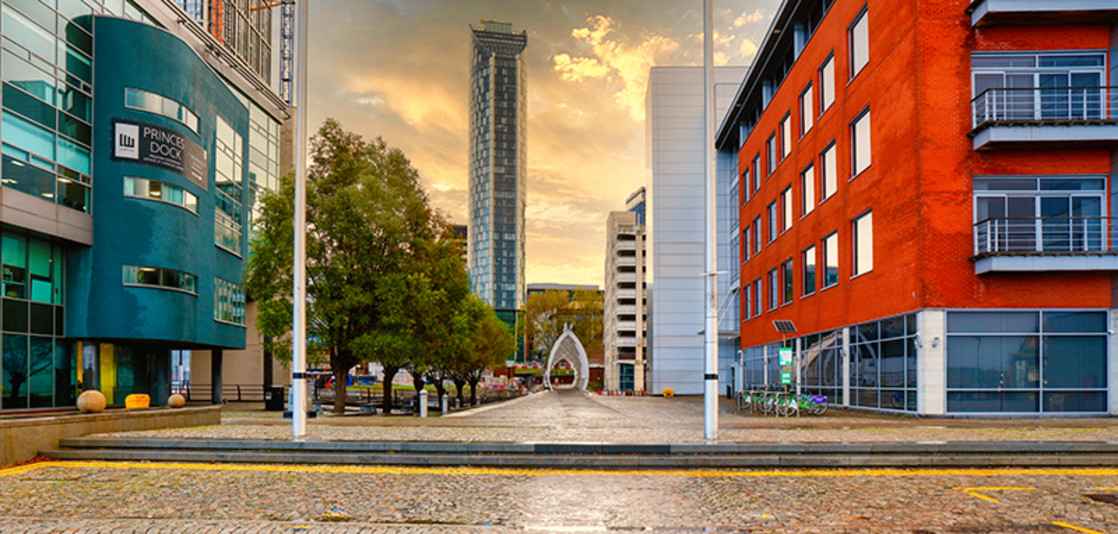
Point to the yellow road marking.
(1073, 527)
(385, 470)
(971, 491)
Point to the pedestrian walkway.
(570, 416)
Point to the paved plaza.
(125, 497)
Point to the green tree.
(549, 311)
(492, 342)
(370, 238)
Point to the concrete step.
(608, 461)
(596, 455)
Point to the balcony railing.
(1046, 105)
(1044, 235)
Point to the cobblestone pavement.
(579, 417)
(206, 498)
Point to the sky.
(398, 69)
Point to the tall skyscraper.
(498, 165)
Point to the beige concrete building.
(624, 315)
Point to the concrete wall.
(675, 104)
(22, 439)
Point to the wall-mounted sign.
(148, 144)
(785, 355)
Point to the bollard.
(423, 403)
(445, 402)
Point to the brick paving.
(218, 499)
(552, 417)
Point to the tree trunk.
(418, 382)
(473, 391)
(459, 383)
(341, 376)
(389, 374)
(440, 389)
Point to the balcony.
(1032, 12)
(1045, 244)
(625, 261)
(625, 277)
(1044, 116)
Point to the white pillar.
(846, 367)
(1112, 364)
(423, 403)
(931, 362)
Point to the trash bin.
(274, 399)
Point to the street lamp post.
(710, 377)
(299, 328)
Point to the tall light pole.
(299, 329)
(710, 377)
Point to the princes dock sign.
(148, 144)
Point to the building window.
(770, 155)
(746, 184)
(883, 363)
(228, 166)
(757, 235)
(229, 302)
(829, 163)
(807, 185)
(786, 277)
(1039, 213)
(160, 105)
(757, 297)
(807, 110)
(862, 228)
(860, 148)
(160, 278)
(830, 260)
(859, 43)
(756, 173)
(827, 84)
(747, 242)
(1026, 361)
(161, 191)
(747, 302)
(1014, 86)
(785, 136)
(772, 221)
(786, 209)
(808, 260)
(774, 289)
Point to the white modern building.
(674, 115)
(623, 332)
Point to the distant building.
(534, 289)
(676, 316)
(498, 168)
(461, 234)
(623, 332)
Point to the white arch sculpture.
(569, 348)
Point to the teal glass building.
(132, 157)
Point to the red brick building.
(926, 194)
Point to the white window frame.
(858, 33)
(828, 179)
(861, 230)
(785, 136)
(786, 210)
(807, 109)
(771, 211)
(812, 254)
(860, 127)
(830, 246)
(807, 190)
(827, 84)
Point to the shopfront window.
(1026, 361)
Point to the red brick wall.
(917, 85)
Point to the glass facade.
(263, 158)
(1026, 361)
(228, 167)
(46, 64)
(37, 369)
(163, 192)
(498, 112)
(229, 302)
(160, 278)
(238, 24)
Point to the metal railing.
(1045, 104)
(1044, 234)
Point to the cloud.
(616, 58)
(748, 18)
(748, 48)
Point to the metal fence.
(1045, 104)
(1043, 234)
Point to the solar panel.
(784, 326)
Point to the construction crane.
(287, 47)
